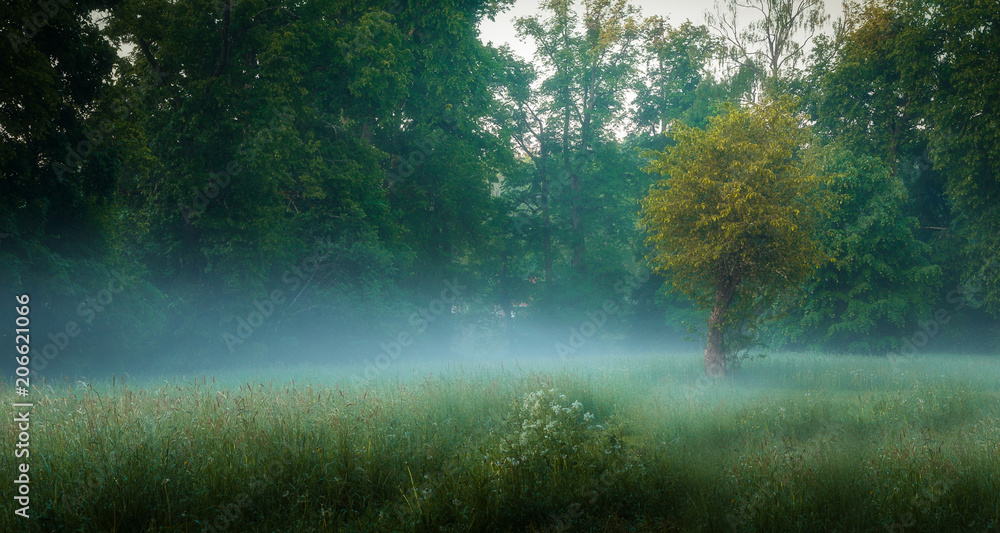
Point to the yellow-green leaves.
(735, 203)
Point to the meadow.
(794, 442)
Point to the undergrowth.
(794, 443)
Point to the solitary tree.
(731, 225)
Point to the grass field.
(795, 442)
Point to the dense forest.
(205, 182)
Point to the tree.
(913, 82)
(575, 109)
(731, 225)
(60, 227)
(259, 127)
(879, 279)
(445, 148)
(277, 124)
(963, 116)
(866, 101)
(773, 44)
(677, 81)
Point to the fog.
(397, 265)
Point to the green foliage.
(57, 166)
(572, 190)
(678, 84)
(61, 235)
(963, 116)
(238, 156)
(547, 428)
(737, 208)
(233, 135)
(901, 88)
(272, 126)
(878, 279)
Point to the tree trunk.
(507, 307)
(578, 239)
(546, 226)
(715, 350)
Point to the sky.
(676, 12)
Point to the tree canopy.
(291, 178)
(732, 222)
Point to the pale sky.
(502, 30)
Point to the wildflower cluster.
(548, 425)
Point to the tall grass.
(793, 443)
